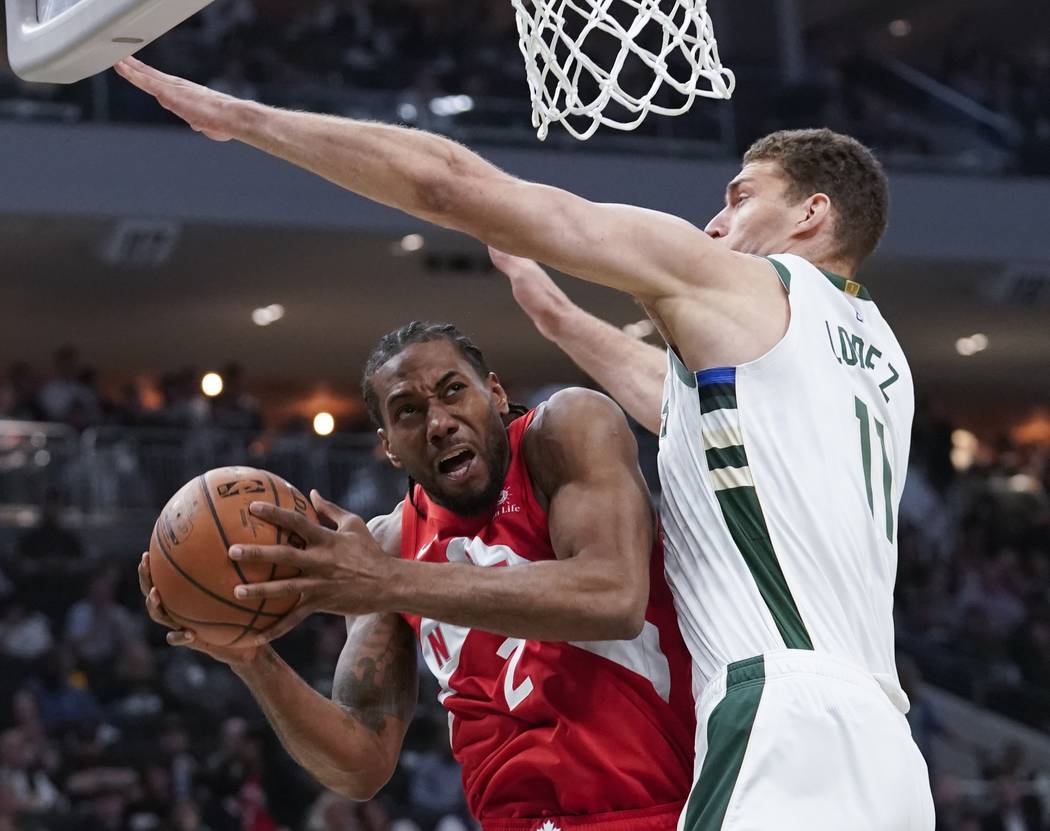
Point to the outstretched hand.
(534, 291)
(342, 569)
(205, 110)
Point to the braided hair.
(395, 342)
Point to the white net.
(612, 62)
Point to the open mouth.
(456, 464)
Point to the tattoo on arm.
(376, 674)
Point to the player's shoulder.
(386, 529)
(567, 408)
(573, 410)
(573, 431)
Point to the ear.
(395, 460)
(499, 395)
(816, 212)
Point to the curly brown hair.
(823, 161)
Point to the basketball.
(189, 560)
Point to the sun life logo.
(504, 506)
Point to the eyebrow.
(444, 379)
(736, 184)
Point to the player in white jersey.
(781, 478)
(796, 730)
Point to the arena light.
(971, 345)
(451, 105)
(211, 384)
(324, 424)
(412, 242)
(266, 315)
(900, 28)
(964, 449)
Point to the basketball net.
(685, 59)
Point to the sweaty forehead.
(420, 364)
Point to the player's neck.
(843, 268)
(816, 250)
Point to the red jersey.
(545, 729)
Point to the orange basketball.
(189, 559)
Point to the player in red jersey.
(525, 562)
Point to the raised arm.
(584, 462)
(630, 370)
(649, 254)
(352, 741)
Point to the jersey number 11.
(861, 410)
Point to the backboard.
(63, 41)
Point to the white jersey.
(781, 479)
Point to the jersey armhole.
(782, 273)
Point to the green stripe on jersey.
(719, 457)
(747, 525)
(728, 732)
(729, 475)
(717, 397)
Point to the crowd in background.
(69, 394)
(106, 728)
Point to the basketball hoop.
(572, 43)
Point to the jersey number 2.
(512, 648)
(861, 410)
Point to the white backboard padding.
(64, 41)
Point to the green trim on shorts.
(728, 732)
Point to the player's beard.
(495, 456)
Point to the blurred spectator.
(22, 770)
(49, 560)
(237, 773)
(62, 694)
(65, 397)
(435, 791)
(19, 395)
(173, 746)
(106, 811)
(183, 404)
(133, 694)
(97, 628)
(186, 816)
(1014, 810)
(234, 408)
(151, 805)
(25, 634)
(49, 548)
